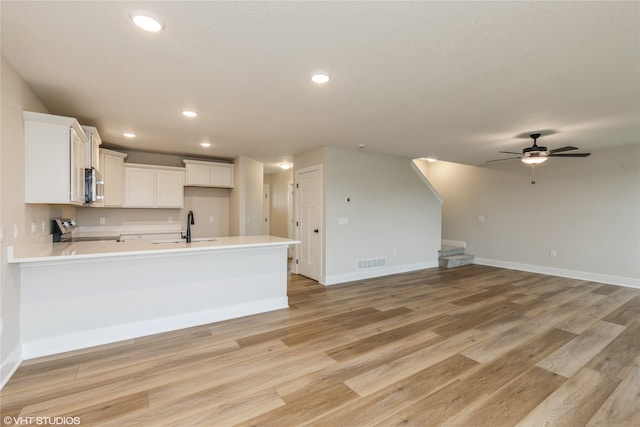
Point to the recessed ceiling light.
(285, 166)
(362, 145)
(205, 144)
(129, 134)
(320, 77)
(430, 159)
(146, 21)
(189, 113)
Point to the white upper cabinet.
(93, 147)
(112, 169)
(209, 174)
(148, 186)
(169, 188)
(55, 159)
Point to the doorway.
(308, 200)
(266, 209)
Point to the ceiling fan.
(536, 154)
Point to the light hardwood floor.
(471, 346)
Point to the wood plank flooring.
(471, 346)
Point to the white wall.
(14, 213)
(585, 209)
(278, 208)
(392, 214)
(245, 202)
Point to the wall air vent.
(364, 264)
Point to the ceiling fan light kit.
(536, 154)
(534, 160)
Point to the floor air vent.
(364, 264)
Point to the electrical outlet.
(552, 253)
(33, 228)
(170, 219)
(481, 218)
(211, 219)
(103, 220)
(15, 231)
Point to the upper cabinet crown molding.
(208, 174)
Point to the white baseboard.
(335, 279)
(9, 366)
(91, 338)
(572, 274)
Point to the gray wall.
(587, 210)
(392, 214)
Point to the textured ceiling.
(459, 81)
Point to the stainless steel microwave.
(93, 187)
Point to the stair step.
(451, 250)
(455, 260)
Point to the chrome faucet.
(190, 222)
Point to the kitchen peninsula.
(82, 294)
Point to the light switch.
(343, 220)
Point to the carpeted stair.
(453, 256)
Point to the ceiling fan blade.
(508, 158)
(561, 149)
(570, 155)
(509, 152)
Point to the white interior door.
(309, 220)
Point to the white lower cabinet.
(147, 186)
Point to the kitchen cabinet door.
(54, 159)
(78, 161)
(139, 187)
(221, 176)
(112, 169)
(148, 186)
(169, 188)
(198, 175)
(208, 174)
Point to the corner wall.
(245, 201)
(391, 214)
(587, 210)
(15, 215)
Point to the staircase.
(453, 256)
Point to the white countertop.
(46, 251)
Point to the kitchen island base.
(78, 303)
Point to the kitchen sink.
(199, 239)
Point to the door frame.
(266, 209)
(296, 213)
